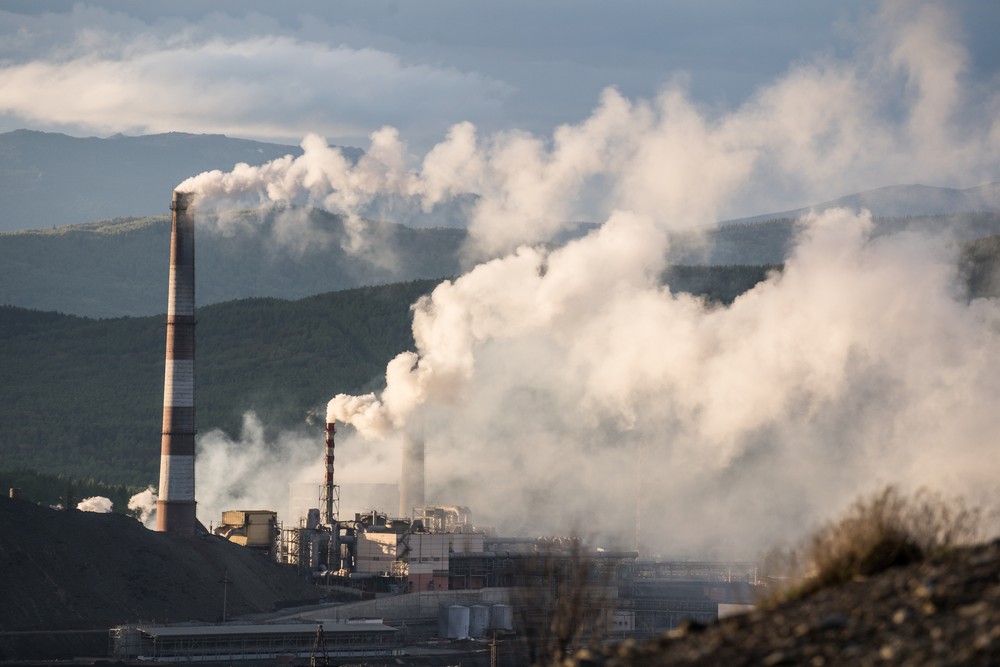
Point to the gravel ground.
(944, 611)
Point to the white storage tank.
(479, 620)
(453, 621)
(502, 618)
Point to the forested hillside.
(83, 397)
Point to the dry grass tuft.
(884, 530)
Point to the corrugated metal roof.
(329, 627)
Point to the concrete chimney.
(411, 478)
(175, 507)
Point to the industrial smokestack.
(411, 477)
(329, 491)
(175, 508)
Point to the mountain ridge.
(893, 201)
(52, 179)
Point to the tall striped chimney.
(175, 508)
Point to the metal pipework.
(175, 507)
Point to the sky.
(344, 69)
(561, 386)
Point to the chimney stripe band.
(176, 478)
(178, 383)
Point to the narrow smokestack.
(411, 478)
(175, 508)
(329, 511)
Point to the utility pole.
(225, 590)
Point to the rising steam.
(566, 386)
(143, 506)
(98, 504)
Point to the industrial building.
(275, 643)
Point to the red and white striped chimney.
(175, 507)
(329, 492)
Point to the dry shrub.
(880, 531)
(563, 602)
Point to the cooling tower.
(175, 508)
(411, 478)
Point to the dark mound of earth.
(944, 611)
(73, 571)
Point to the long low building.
(265, 642)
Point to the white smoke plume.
(98, 504)
(253, 472)
(567, 387)
(897, 112)
(143, 506)
(258, 472)
(564, 387)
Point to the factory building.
(255, 529)
(287, 643)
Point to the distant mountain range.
(898, 201)
(119, 267)
(51, 180)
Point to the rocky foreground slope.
(945, 611)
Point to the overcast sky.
(275, 71)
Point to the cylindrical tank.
(442, 621)
(453, 621)
(502, 617)
(479, 620)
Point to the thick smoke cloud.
(580, 387)
(566, 387)
(899, 112)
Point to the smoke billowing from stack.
(411, 478)
(854, 361)
(175, 508)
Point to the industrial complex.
(425, 581)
